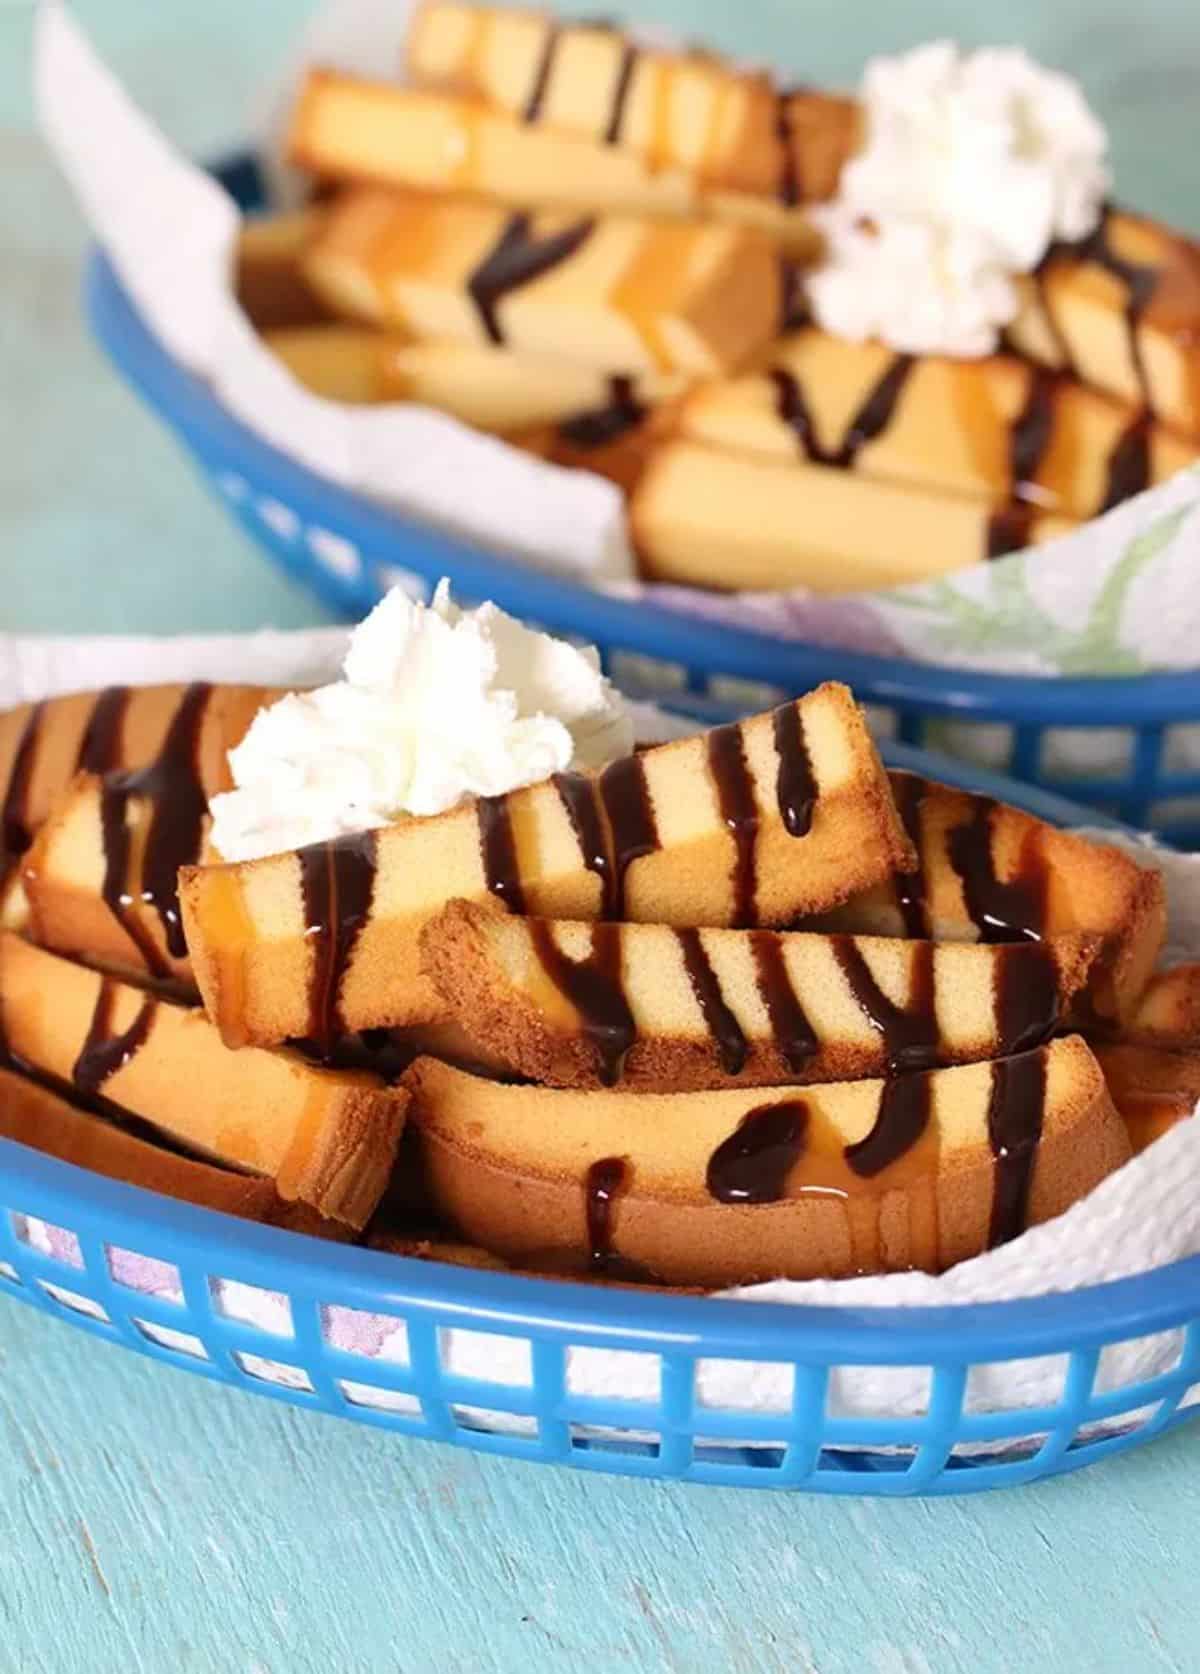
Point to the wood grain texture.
(151, 1522)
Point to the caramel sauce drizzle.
(337, 882)
(172, 835)
(1016, 1109)
(594, 987)
(104, 1053)
(758, 1163)
(872, 418)
(15, 833)
(517, 258)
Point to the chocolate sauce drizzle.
(594, 987)
(908, 791)
(793, 1033)
(15, 833)
(1001, 912)
(602, 425)
(578, 797)
(498, 848)
(871, 420)
(1140, 282)
(620, 98)
(100, 749)
(1031, 432)
(545, 68)
(739, 810)
(788, 191)
(1129, 462)
(171, 784)
(909, 1033)
(1026, 997)
(1015, 1110)
(337, 882)
(723, 1026)
(902, 1118)
(795, 784)
(1009, 528)
(516, 259)
(104, 1053)
(626, 800)
(752, 1165)
(606, 1180)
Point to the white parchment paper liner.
(1117, 596)
(1144, 1216)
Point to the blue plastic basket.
(350, 551)
(670, 1435)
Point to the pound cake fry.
(490, 388)
(615, 293)
(689, 109)
(100, 878)
(1167, 1012)
(1151, 1088)
(36, 1116)
(989, 872)
(998, 428)
(122, 728)
(327, 1138)
(814, 526)
(723, 1188)
(588, 1005)
(753, 823)
(348, 129)
(268, 275)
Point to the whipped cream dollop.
(435, 704)
(973, 164)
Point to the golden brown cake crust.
(511, 1166)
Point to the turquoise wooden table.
(152, 1522)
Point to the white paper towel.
(170, 230)
(1115, 597)
(1146, 1215)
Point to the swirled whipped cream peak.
(973, 164)
(435, 704)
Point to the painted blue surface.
(153, 1522)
